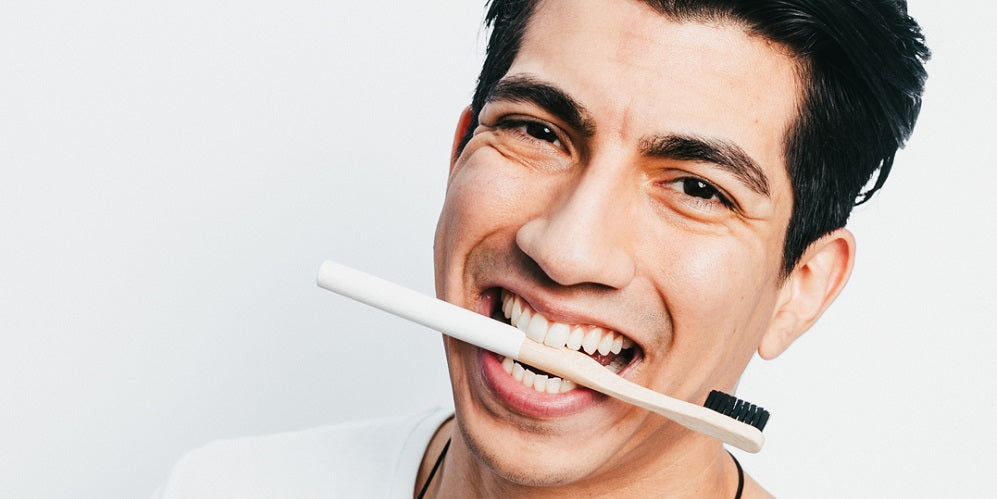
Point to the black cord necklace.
(443, 453)
(439, 460)
(740, 476)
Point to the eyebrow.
(724, 154)
(525, 88)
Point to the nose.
(583, 238)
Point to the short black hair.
(862, 62)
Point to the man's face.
(627, 179)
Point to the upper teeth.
(538, 328)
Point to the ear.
(816, 281)
(462, 125)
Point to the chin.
(526, 451)
(526, 460)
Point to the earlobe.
(813, 285)
(463, 123)
(783, 330)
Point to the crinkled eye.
(533, 130)
(541, 131)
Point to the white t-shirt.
(374, 458)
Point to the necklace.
(439, 460)
(443, 453)
(740, 476)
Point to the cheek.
(717, 286)
(485, 195)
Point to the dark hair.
(863, 65)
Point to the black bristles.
(729, 405)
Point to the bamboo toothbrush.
(724, 417)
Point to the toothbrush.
(724, 417)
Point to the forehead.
(639, 73)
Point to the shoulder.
(371, 458)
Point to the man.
(663, 185)
(676, 173)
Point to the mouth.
(609, 348)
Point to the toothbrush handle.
(508, 341)
(585, 371)
(444, 317)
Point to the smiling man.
(660, 184)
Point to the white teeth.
(528, 376)
(517, 310)
(575, 338)
(538, 328)
(557, 335)
(507, 364)
(524, 319)
(518, 371)
(553, 385)
(540, 383)
(591, 341)
(606, 344)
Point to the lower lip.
(527, 401)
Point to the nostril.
(551, 250)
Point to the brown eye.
(700, 190)
(541, 131)
(533, 130)
(697, 188)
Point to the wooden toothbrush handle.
(582, 369)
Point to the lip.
(522, 399)
(527, 401)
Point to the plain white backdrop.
(173, 173)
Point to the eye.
(700, 189)
(533, 130)
(540, 131)
(697, 188)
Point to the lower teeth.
(540, 382)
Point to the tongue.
(603, 359)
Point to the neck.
(694, 466)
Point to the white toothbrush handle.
(447, 318)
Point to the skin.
(589, 229)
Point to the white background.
(173, 173)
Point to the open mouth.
(610, 348)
